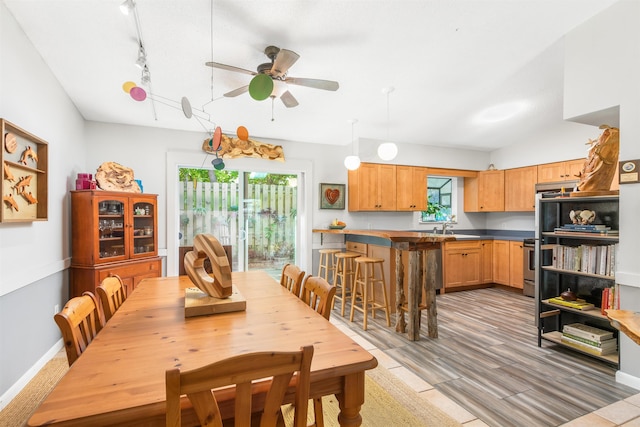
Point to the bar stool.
(364, 286)
(327, 264)
(343, 276)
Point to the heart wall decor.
(332, 196)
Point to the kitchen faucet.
(448, 225)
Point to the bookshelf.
(581, 261)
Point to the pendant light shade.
(387, 151)
(352, 162)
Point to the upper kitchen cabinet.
(411, 188)
(485, 193)
(372, 187)
(560, 171)
(519, 189)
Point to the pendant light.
(352, 162)
(387, 150)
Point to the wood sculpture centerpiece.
(215, 292)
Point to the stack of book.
(592, 259)
(610, 299)
(586, 228)
(589, 339)
(578, 304)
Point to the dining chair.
(79, 321)
(243, 371)
(292, 278)
(112, 293)
(318, 294)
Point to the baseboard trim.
(628, 380)
(28, 376)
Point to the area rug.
(388, 401)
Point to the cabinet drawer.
(462, 244)
(360, 248)
(144, 268)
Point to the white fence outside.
(268, 215)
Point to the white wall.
(34, 256)
(602, 66)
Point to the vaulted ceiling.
(453, 65)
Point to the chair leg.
(317, 413)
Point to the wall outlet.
(56, 309)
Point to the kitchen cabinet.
(411, 188)
(516, 264)
(112, 233)
(587, 274)
(484, 193)
(501, 262)
(486, 259)
(560, 171)
(462, 263)
(519, 189)
(372, 187)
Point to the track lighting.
(142, 58)
(146, 75)
(127, 6)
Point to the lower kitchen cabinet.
(462, 263)
(501, 261)
(516, 264)
(486, 259)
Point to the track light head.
(141, 62)
(127, 6)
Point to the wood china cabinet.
(113, 233)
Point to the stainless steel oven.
(529, 266)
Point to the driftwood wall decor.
(112, 176)
(602, 162)
(231, 148)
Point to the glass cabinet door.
(143, 228)
(111, 229)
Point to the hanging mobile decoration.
(243, 133)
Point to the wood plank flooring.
(486, 359)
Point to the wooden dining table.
(120, 378)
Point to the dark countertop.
(386, 237)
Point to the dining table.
(120, 377)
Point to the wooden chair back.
(242, 371)
(112, 293)
(79, 321)
(318, 294)
(292, 278)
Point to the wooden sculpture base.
(198, 303)
(594, 193)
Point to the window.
(441, 199)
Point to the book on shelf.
(578, 304)
(606, 344)
(588, 332)
(598, 351)
(605, 232)
(610, 299)
(585, 227)
(585, 258)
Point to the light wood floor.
(487, 360)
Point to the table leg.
(430, 289)
(351, 399)
(401, 325)
(413, 298)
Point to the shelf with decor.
(577, 268)
(24, 159)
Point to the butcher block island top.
(423, 259)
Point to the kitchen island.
(424, 257)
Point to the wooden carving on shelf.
(601, 165)
(112, 176)
(231, 148)
(24, 175)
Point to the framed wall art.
(332, 196)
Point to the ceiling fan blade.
(284, 60)
(314, 83)
(229, 68)
(288, 100)
(237, 92)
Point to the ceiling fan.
(281, 61)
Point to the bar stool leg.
(384, 294)
(354, 291)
